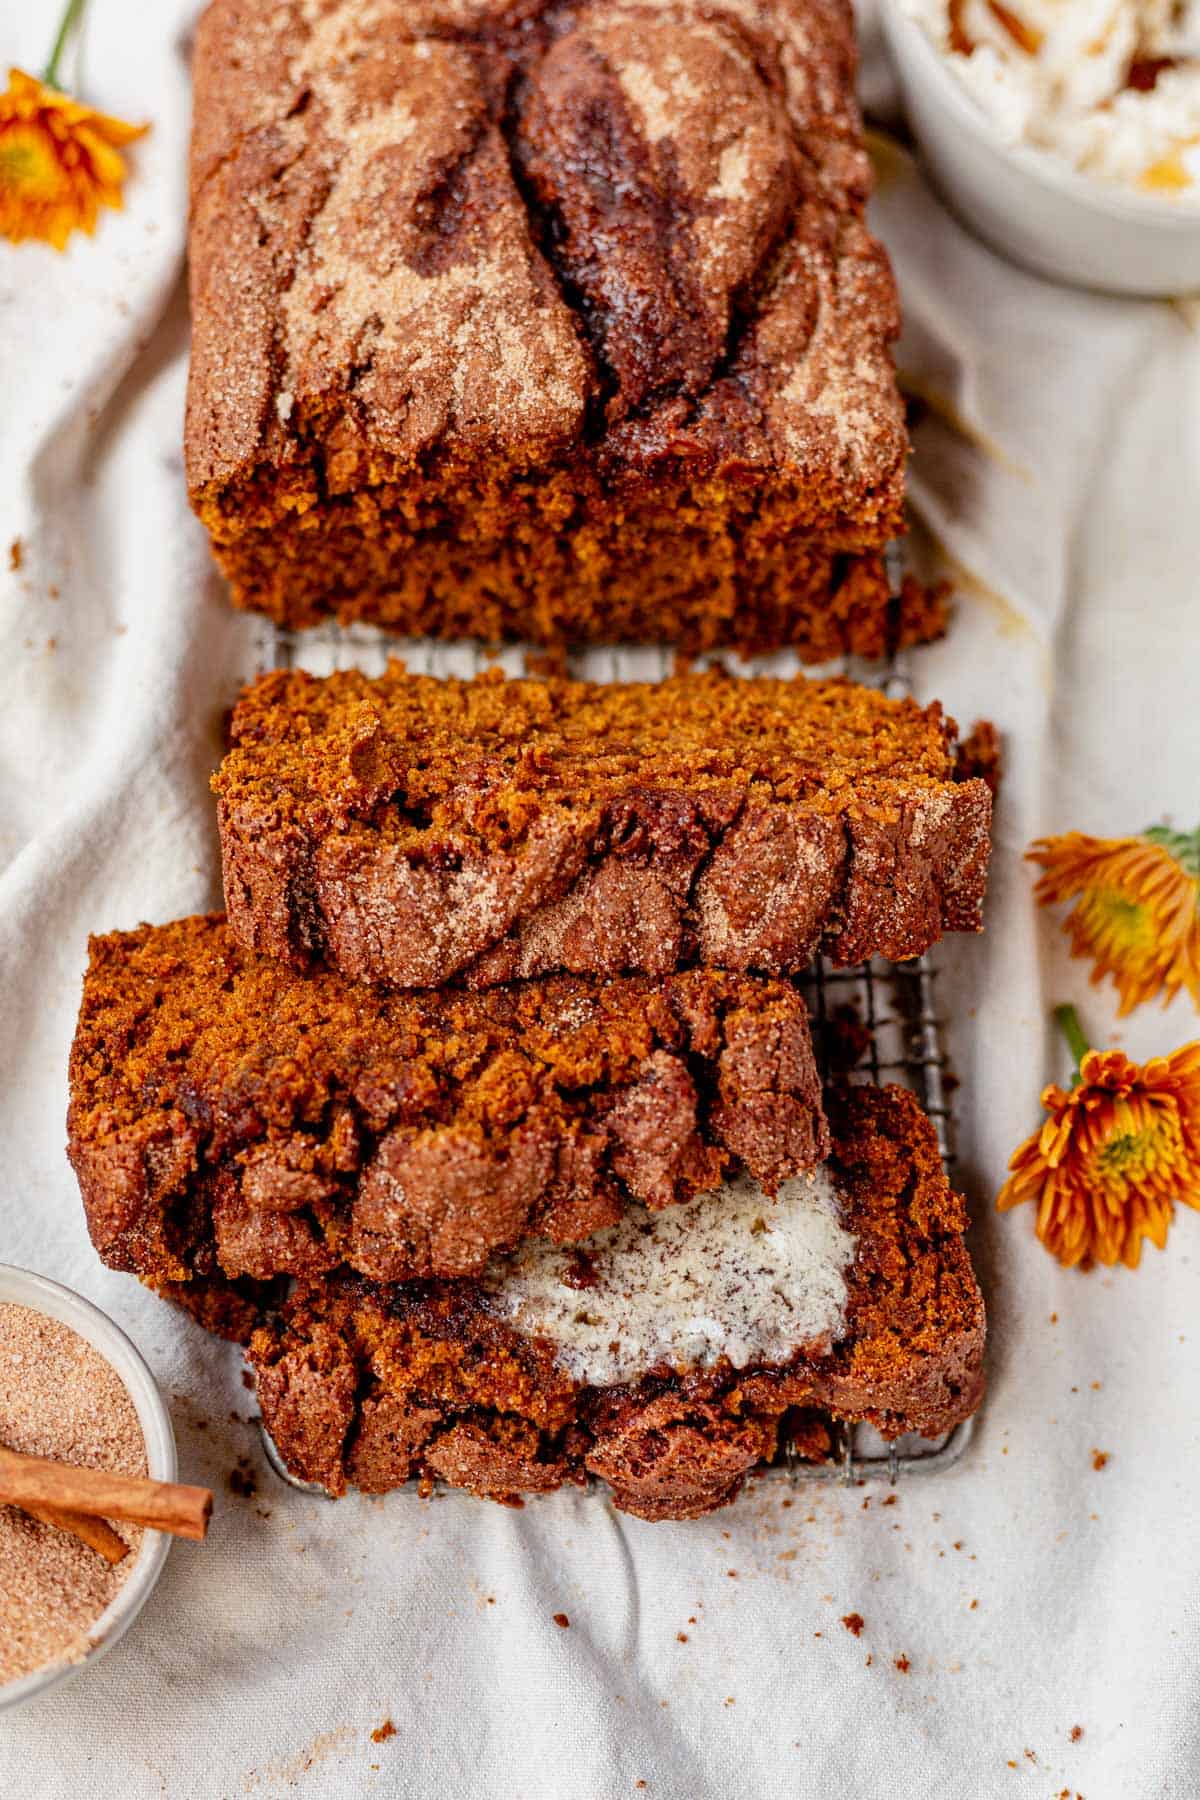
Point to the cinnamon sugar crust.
(543, 319)
(232, 1123)
(371, 1385)
(411, 831)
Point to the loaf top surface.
(528, 231)
(414, 756)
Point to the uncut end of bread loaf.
(411, 831)
(558, 322)
(231, 1119)
(373, 1386)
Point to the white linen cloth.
(1006, 1602)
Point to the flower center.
(1137, 1151)
(1113, 917)
(28, 162)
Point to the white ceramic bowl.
(35, 1291)
(1024, 202)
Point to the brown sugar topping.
(544, 318)
(425, 221)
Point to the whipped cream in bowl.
(1065, 132)
(1100, 84)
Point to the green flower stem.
(1067, 1020)
(67, 24)
(1184, 846)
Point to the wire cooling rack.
(894, 1001)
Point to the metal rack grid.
(895, 1001)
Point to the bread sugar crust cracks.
(375, 1385)
(454, 374)
(230, 1120)
(413, 831)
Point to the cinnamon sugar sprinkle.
(58, 1397)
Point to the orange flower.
(1138, 915)
(59, 162)
(1114, 1156)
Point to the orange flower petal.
(59, 162)
(1112, 1158)
(1137, 911)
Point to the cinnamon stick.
(93, 1532)
(30, 1481)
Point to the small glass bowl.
(21, 1288)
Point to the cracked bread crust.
(411, 831)
(373, 1386)
(547, 319)
(232, 1121)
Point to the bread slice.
(556, 323)
(231, 1118)
(411, 831)
(513, 1384)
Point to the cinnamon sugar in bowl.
(72, 1386)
